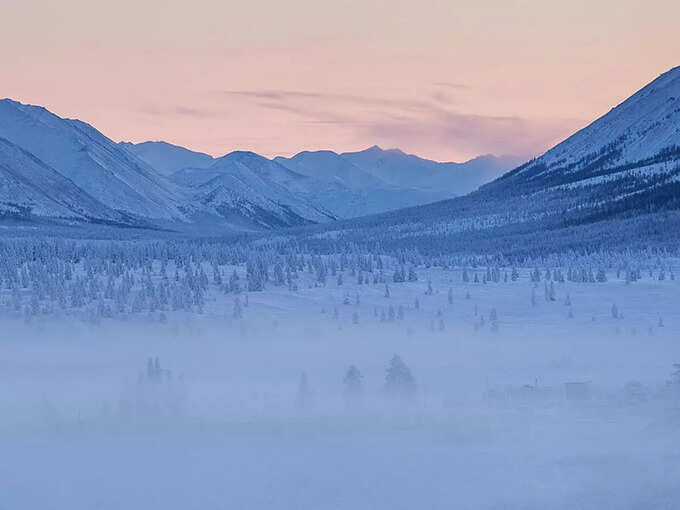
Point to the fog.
(535, 404)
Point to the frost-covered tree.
(353, 382)
(493, 319)
(412, 276)
(399, 381)
(237, 312)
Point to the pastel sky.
(441, 78)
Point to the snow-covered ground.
(550, 405)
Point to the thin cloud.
(276, 97)
(474, 134)
(429, 125)
(451, 85)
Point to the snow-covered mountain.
(167, 158)
(94, 163)
(329, 166)
(336, 184)
(624, 165)
(31, 189)
(625, 161)
(333, 182)
(98, 180)
(619, 174)
(638, 138)
(244, 187)
(376, 180)
(447, 179)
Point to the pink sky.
(446, 80)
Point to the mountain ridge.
(623, 165)
(621, 169)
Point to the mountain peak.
(640, 136)
(239, 154)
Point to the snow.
(26, 184)
(411, 172)
(242, 180)
(490, 427)
(93, 162)
(641, 126)
(167, 158)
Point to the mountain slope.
(448, 179)
(619, 175)
(348, 191)
(167, 158)
(626, 161)
(29, 188)
(246, 188)
(329, 166)
(376, 180)
(91, 161)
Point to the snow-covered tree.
(399, 381)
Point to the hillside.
(617, 180)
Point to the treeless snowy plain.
(224, 421)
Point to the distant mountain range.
(343, 185)
(616, 180)
(624, 166)
(65, 170)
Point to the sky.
(444, 79)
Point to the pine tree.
(429, 290)
(412, 276)
(493, 319)
(399, 381)
(238, 311)
(353, 382)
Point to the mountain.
(380, 180)
(376, 180)
(94, 163)
(66, 169)
(248, 189)
(341, 187)
(615, 181)
(448, 179)
(329, 166)
(31, 189)
(625, 162)
(167, 158)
